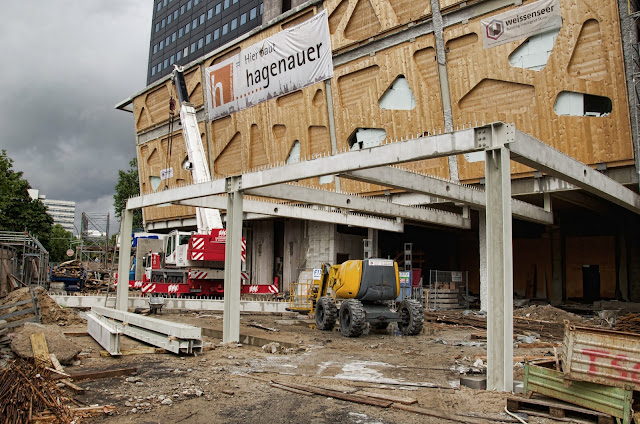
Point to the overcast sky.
(66, 63)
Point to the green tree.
(59, 243)
(18, 212)
(126, 187)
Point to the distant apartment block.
(62, 211)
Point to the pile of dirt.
(547, 313)
(50, 311)
(63, 347)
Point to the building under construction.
(406, 70)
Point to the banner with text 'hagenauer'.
(285, 62)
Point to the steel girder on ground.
(500, 143)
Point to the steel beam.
(420, 148)
(231, 315)
(356, 202)
(499, 271)
(174, 329)
(191, 191)
(124, 259)
(406, 180)
(301, 212)
(538, 155)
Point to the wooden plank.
(18, 313)
(339, 395)
(76, 333)
(55, 362)
(396, 399)
(11, 305)
(40, 349)
(137, 351)
(93, 375)
(290, 389)
(72, 386)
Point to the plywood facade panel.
(156, 155)
(152, 108)
(354, 21)
(358, 86)
(584, 59)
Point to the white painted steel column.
(499, 270)
(232, 270)
(124, 258)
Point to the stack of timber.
(69, 269)
(551, 330)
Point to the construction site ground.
(231, 383)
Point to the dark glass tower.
(183, 30)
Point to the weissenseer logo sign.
(288, 61)
(521, 22)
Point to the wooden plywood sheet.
(353, 21)
(358, 86)
(596, 250)
(152, 108)
(156, 155)
(584, 59)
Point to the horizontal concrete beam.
(179, 193)
(175, 329)
(355, 202)
(300, 212)
(420, 148)
(472, 196)
(86, 302)
(538, 155)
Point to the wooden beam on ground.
(290, 389)
(93, 375)
(76, 333)
(40, 349)
(339, 395)
(404, 401)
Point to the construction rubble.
(57, 370)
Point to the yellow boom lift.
(359, 292)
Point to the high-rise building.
(62, 211)
(183, 30)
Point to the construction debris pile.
(50, 311)
(27, 395)
(547, 313)
(629, 323)
(69, 269)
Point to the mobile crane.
(193, 263)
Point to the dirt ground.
(230, 384)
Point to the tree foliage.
(18, 212)
(127, 187)
(59, 243)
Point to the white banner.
(522, 22)
(285, 62)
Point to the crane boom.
(207, 219)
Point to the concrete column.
(262, 253)
(499, 271)
(623, 280)
(124, 259)
(482, 238)
(232, 269)
(373, 236)
(556, 267)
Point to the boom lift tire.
(352, 318)
(412, 315)
(326, 313)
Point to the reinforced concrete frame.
(500, 143)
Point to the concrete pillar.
(262, 252)
(499, 270)
(555, 297)
(124, 260)
(482, 238)
(373, 236)
(623, 280)
(232, 264)
(295, 246)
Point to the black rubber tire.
(352, 317)
(412, 314)
(326, 313)
(381, 325)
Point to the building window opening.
(569, 103)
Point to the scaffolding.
(95, 240)
(22, 258)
